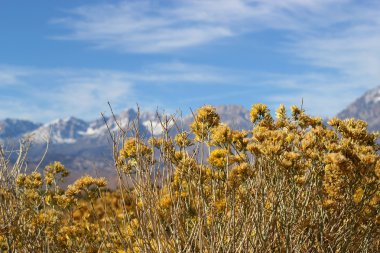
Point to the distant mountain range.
(85, 146)
(73, 130)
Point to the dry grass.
(291, 184)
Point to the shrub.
(292, 184)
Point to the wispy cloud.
(338, 40)
(12, 75)
(46, 94)
(351, 43)
(334, 45)
(148, 26)
(343, 35)
(321, 94)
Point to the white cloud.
(353, 50)
(339, 40)
(343, 35)
(147, 26)
(335, 35)
(45, 94)
(322, 95)
(7, 78)
(11, 75)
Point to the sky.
(71, 57)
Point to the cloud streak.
(338, 39)
(335, 45)
(45, 94)
(147, 27)
(342, 35)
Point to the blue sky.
(69, 58)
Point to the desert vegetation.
(292, 184)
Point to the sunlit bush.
(291, 184)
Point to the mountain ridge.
(85, 147)
(71, 129)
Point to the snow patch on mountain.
(372, 96)
(366, 107)
(60, 131)
(71, 130)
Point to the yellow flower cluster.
(54, 169)
(221, 135)
(85, 184)
(133, 148)
(260, 112)
(239, 174)
(32, 181)
(205, 119)
(183, 140)
(219, 158)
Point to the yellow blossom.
(218, 158)
(205, 119)
(85, 183)
(221, 135)
(183, 140)
(259, 112)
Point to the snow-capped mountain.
(15, 128)
(85, 147)
(97, 127)
(124, 120)
(154, 121)
(68, 130)
(71, 130)
(366, 107)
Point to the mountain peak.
(129, 113)
(366, 107)
(66, 130)
(372, 96)
(236, 116)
